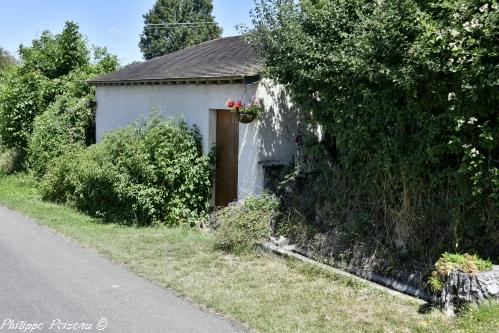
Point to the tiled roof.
(229, 57)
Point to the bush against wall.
(66, 124)
(408, 90)
(149, 173)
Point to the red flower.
(238, 104)
(230, 103)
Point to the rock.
(281, 241)
(460, 288)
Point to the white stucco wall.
(269, 138)
(119, 106)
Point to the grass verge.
(266, 293)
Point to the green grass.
(266, 293)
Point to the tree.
(6, 59)
(158, 39)
(22, 98)
(55, 56)
(52, 66)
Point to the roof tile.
(218, 58)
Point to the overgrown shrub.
(54, 65)
(6, 60)
(83, 178)
(67, 123)
(454, 262)
(148, 173)
(408, 92)
(243, 225)
(10, 160)
(21, 100)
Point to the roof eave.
(179, 81)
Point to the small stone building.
(195, 84)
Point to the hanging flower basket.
(247, 112)
(246, 118)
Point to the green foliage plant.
(190, 22)
(21, 100)
(56, 55)
(54, 65)
(153, 172)
(246, 224)
(409, 91)
(66, 124)
(10, 160)
(455, 262)
(6, 60)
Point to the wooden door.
(227, 157)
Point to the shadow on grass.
(428, 308)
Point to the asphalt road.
(51, 283)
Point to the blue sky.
(115, 24)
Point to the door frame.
(221, 198)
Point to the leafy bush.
(150, 173)
(408, 91)
(69, 121)
(21, 100)
(6, 60)
(243, 225)
(56, 55)
(453, 262)
(52, 66)
(10, 160)
(85, 179)
(66, 124)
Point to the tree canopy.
(6, 59)
(55, 56)
(54, 65)
(172, 25)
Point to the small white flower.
(450, 97)
(472, 120)
(470, 26)
(486, 136)
(475, 24)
